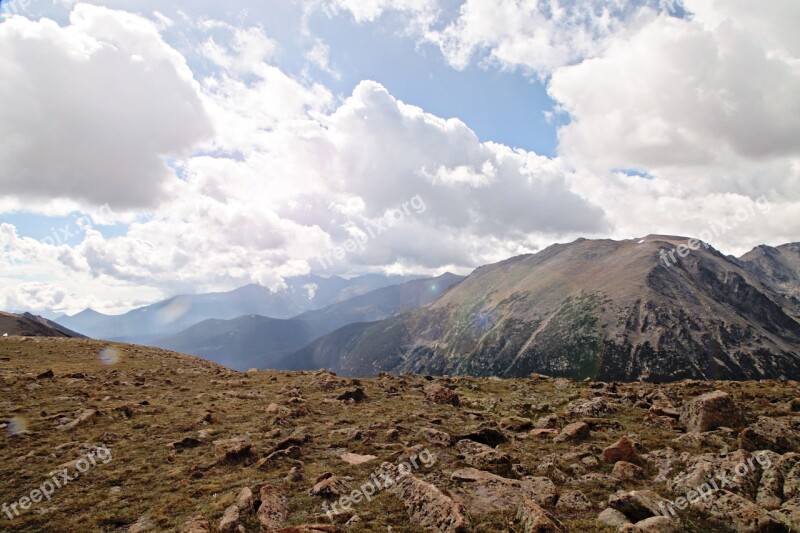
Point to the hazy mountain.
(175, 314)
(258, 341)
(29, 325)
(613, 310)
(778, 267)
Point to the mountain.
(28, 325)
(779, 268)
(170, 316)
(611, 310)
(261, 342)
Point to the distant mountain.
(611, 310)
(779, 268)
(29, 325)
(170, 316)
(261, 342)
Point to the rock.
(294, 475)
(230, 520)
(485, 492)
(769, 434)
(429, 507)
(573, 432)
(789, 514)
(573, 502)
(624, 470)
(655, 524)
(355, 395)
(542, 433)
(484, 457)
(727, 510)
(356, 459)
(516, 424)
(612, 518)
(272, 512)
(329, 486)
(637, 505)
(307, 528)
(622, 450)
(710, 411)
(186, 442)
(549, 422)
(770, 486)
(232, 449)
(487, 434)
(436, 437)
(244, 500)
(85, 415)
(593, 408)
(670, 412)
(534, 519)
(738, 472)
(439, 394)
(197, 524)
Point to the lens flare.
(109, 356)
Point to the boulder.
(573, 432)
(710, 411)
(729, 510)
(485, 492)
(439, 394)
(429, 507)
(484, 457)
(272, 512)
(622, 450)
(770, 434)
(534, 519)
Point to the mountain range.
(261, 342)
(302, 293)
(610, 310)
(29, 325)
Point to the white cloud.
(91, 110)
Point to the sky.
(149, 149)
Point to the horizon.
(198, 148)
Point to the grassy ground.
(148, 398)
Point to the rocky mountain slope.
(779, 268)
(613, 310)
(32, 325)
(170, 316)
(144, 440)
(256, 341)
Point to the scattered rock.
(710, 411)
(612, 518)
(622, 450)
(484, 457)
(355, 395)
(197, 524)
(85, 415)
(542, 433)
(534, 519)
(485, 492)
(516, 424)
(769, 434)
(272, 512)
(232, 449)
(624, 470)
(430, 507)
(439, 394)
(573, 502)
(436, 437)
(329, 486)
(356, 459)
(637, 505)
(731, 510)
(573, 432)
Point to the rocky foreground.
(158, 441)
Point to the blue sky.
(200, 146)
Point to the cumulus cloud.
(92, 109)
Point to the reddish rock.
(196, 524)
(622, 450)
(429, 507)
(534, 519)
(439, 394)
(272, 512)
(573, 432)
